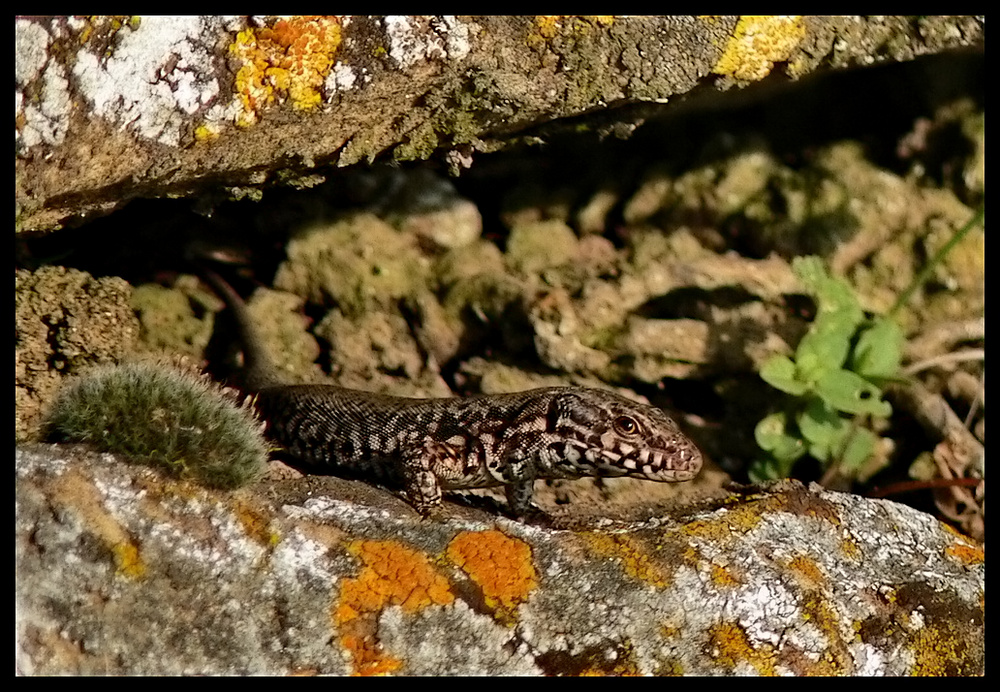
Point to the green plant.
(836, 377)
(163, 417)
(838, 373)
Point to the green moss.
(421, 144)
(480, 257)
(533, 247)
(360, 262)
(486, 296)
(169, 322)
(157, 415)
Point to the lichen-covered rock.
(109, 108)
(339, 577)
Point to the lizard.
(429, 445)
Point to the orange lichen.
(290, 59)
(255, 522)
(500, 565)
(633, 556)
(392, 574)
(965, 553)
(757, 43)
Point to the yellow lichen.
(757, 43)
(500, 565)
(730, 646)
(722, 576)
(836, 659)
(73, 490)
(736, 522)
(547, 27)
(940, 651)
(391, 574)
(850, 548)
(206, 133)
(255, 522)
(106, 27)
(128, 562)
(289, 60)
(807, 570)
(633, 555)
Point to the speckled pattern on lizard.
(429, 445)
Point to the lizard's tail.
(259, 370)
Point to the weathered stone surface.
(113, 108)
(65, 320)
(120, 570)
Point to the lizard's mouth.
(665, 466)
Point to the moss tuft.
(163, 417)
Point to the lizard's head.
(600, 433)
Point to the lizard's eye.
(626, 425)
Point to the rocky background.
(441, 206)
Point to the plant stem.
(925, 272)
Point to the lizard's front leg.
(519, 483)
(420, 484)
(423, 467)
(519, 496)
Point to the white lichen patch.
(458, 35)
(298, 556)
(412, 39)
(157, 75)
(327, 508)
(31, 43)
(453, 640)
(46, 118)
(341, 78)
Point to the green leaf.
(772, 436)
(860, 446)
(824, 348)
(833, 295)
(851, 393)
(823, 428)
(810, 271)
(769, 430)
(879, 350)
(779, 372)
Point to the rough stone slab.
(121, 571)
(113, 108)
